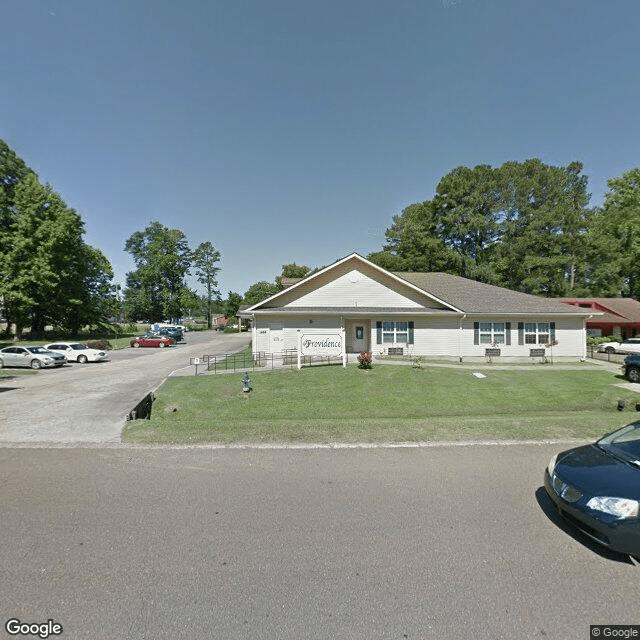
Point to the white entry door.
(276, 342)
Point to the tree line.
(527, 226)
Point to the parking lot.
(88, 403)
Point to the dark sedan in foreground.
(597, 488)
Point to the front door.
(360, 337)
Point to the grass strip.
(388, 403)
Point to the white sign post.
(320, 344)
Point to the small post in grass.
(246, 383)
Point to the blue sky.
(292, 131)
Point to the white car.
(77, 352)
(630, 345)
(166, 325)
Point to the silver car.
(34, 357)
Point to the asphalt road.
(89, 403)
(449, 542)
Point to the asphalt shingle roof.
(477, 297)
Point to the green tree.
(414, 242)
(162, 257)
(616, 233)
(87, 297)
(466, 213)
(260, 291)
(292, 270)
(12, 171)
(205, 258)
(231, 305)
(542, 248)
(50, 276)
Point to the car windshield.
(624, 443)
(38, 350)
(76, 346)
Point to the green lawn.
(391, 403)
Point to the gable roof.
(272, 301)
(456, 294)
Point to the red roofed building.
(620, 316)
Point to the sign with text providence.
(321, 344)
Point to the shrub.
(594, 341)
(103, 345)
(365, 360)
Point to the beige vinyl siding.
(435, 336)
(569, 333)
(432, 336)
(350, 287)
(354, 289)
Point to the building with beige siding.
(354, 305)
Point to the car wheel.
(36, 364)
(136, 345)
(633, 374)
(609, 350)
(82, 359)
(161, 345)
(1, 364)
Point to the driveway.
(89, 403)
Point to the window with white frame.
(394, 332)
(492, 333)
(536, 332)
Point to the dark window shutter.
(410, 331)
(520, 332)
(476, 333)
(508, 327)
(378, 332)
(552, 327)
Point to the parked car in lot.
(152, 340)
(630, 345)
(172, 332)
(34, 357)
(597, 489)
(167, 325)
(77, 352)
(631, 367)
